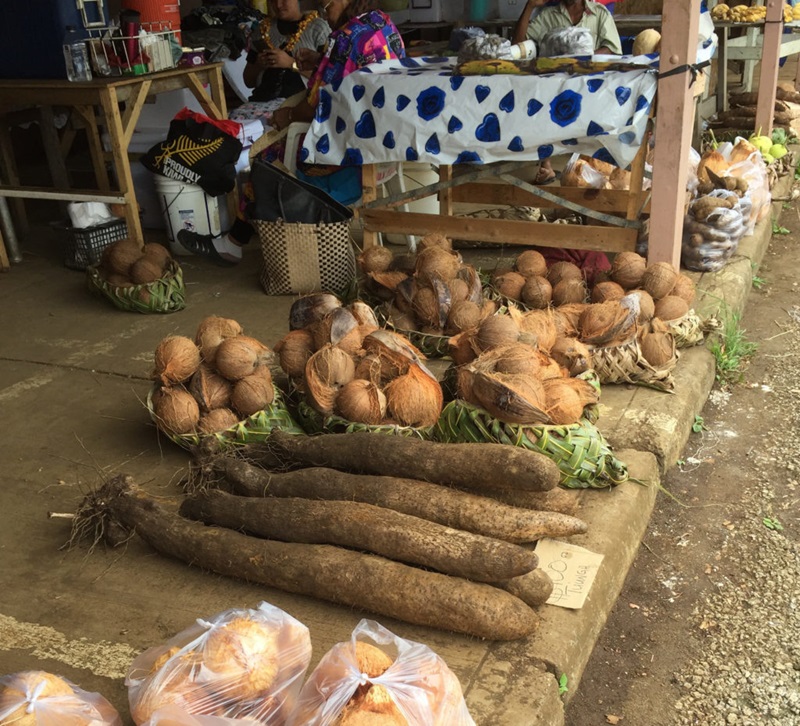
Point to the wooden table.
(119, 101)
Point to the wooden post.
(369, 193)
(679, 41)
(770, 56)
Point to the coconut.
(426, 306)
(211, 332)
(572, 355)
(16, 696)
(157, 253)
(646, 305)
(116, 280)
(569, 291)
(311, 308)
(459, 290)
(512, 398)
(220, 419)
(435, 239)
(176, 411)
(119, 256)
(328, 370)
(537, 292)
(438, 263)
(369, 369)
(604, 291)
(517, 359)
(414, 399)
(531, 264)
(294, 350)
(375, 259)
(658, 349)
(469, 275)
(240, 356)
(384, 284)
(176, 360)
(363, 313)
(567, 317)
(684, 288)
(510, 285)
(460, 349)
(464, 315)
(658, 279)
(210, 389)
(549, 368)
(404, 263)
(253, 393)
(337, 324)
(540, 324)
(145, 271)
(714, 161)
(400, 320)
(671, 307)
(563, 270)
(361, 401)
(495, 331)
(564, 402)
(627, 269)
(602, 323)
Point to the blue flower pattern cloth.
(415, 109)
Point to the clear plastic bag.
(241, 664)
(52, 701)
(175, 716)
(357, 678)
(709, 243)
(578, 173)
(754, 171)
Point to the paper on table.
(572, 570)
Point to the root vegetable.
(559, 500)
(329, 573)
(449, 507)
(482, 466)
(533, 588)
(365, 527)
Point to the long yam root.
(534, 588)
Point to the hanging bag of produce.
(377, 676)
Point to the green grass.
(732, 351)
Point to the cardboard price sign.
(572, 570)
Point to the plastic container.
(76, 56)
(186, 206)
(85, 245)
(163, 14)
(478, 10)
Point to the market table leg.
(768, 82)
(52, 150)
(446, 195)
(9, 175)
(5, 265)
(369, 193)
(722, 69)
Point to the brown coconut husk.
(566, 398)
(363, 313)
(540, 324)
(571, 355)
(120, 256)
(435, 239)
(627, 269)
(368, 368)
(658, 348)
(399, 319)
(549, 367)
(327, 371)
(176, 411)
(253, 393)
(211, 331)
(464, 316)
(531, 264)
(658, 279)
(220, 419)
(461, 349)
(335, 326)
(145, 271)
(414, 399)
(509, 284)
(437, 263)
(684, 287)
(647, 306)
(464, 378)
(426, 307)
(519, 359)
(569, 291)
(469, 275)
(239, 357)
(353, 342)
(117, 280)
(567, 318)
(361, 401)
(375, 259)
(459, 290)
(712, 160)
(563, 270)
(177, 359)
(294, 350)
(210, 389)
(537, 292)
(496, 330)
(384, 284)
(605, 291)
(671, 307)
(602, 323)
(158, 254)
(517, 399)
(309, 309)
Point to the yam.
(452, 508)
(352, 579)
(366, 528)
(483, 466)
(533, 588)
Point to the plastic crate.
(85, 246)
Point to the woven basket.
(315, 423)
(253, 429)
(580, 451)
(302, 258)
(166, 295)
(691, 329)
(626, 364)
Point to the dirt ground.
(736, 471)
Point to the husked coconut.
(414, 399)
(211, 331)
(375, 259)
(253, 393)
(645, 302)
(537, 292)
(459, 290)
(369, 369)
(464, 315)
(564, 270)
(294, 350)
(609, 290)
(569, 291)
(335, 326)
(158, 254)
(176, 411)
(627, 269)
(658, 348)
(572, 355)
(435, 239)
(384, 284)
(437, 263)
(120, 255)
(671, 307)
(684, 287)
(602, 323)
(531, 264)
(220, 419)
(510, 284)
(426, 306)
(176, 360)
(517, 359)
(327, 371)
(495, 331)
(210, 389)
(239, 357)
(145, 270)
(658, 279)
(361, 401)
(22, 689)
(540, 324)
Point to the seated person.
(361, 35)
(566, 14)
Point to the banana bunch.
(788, 15)
(487, 68)
(721, 12)
(745, 14)
(795, 13)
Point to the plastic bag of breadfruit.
(138, 279)
(240, 664)
(38, 698)
(218, 385)
(378, 677)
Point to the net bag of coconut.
(165, 295)
(43, 699)
(240, 664)
(378, 677)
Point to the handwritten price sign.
(572, 570)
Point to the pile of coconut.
(210, 384)
(126, 264)
(433, 293)
(347, 367)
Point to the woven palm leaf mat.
(167, 295)
(626, 364)
(316, 423)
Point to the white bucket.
(186, 206)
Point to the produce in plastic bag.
(245, 664)
(712, 229)
(578, 172)
(358, 683)
(175, 716)
(37, 698)
(567, 41)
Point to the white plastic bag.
(52, 701)
(172, 715)
(88, 214)
(380, 673)
(709, 243)
(241, 664)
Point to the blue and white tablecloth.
(415, 109)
